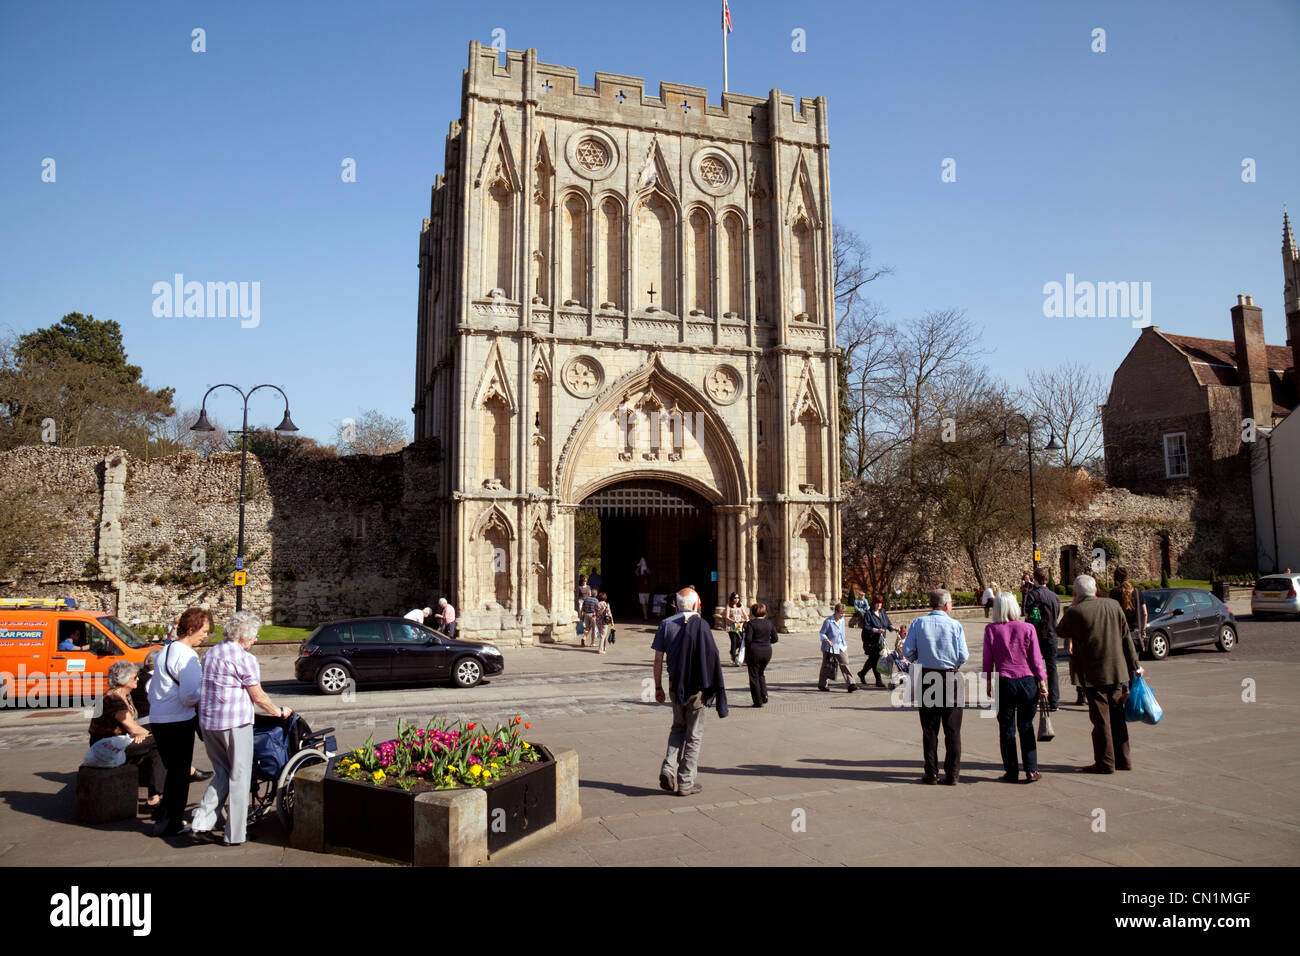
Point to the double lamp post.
(203, 425)
(1006, 441)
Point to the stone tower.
(1291, 290)
(626, 311)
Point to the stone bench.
(105, 794)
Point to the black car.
(1186, 617)
(390, 650)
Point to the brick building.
(1183, 411)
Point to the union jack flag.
(726, 18)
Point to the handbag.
(740, 654)
(611, 635)
(580, 627)
(1045, 731)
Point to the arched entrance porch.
(668, 524)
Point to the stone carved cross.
(686, 107)
(620, 96)
(651, 292)
(546, 86)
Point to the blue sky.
(225, 166)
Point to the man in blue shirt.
(938, 644)
(833, 649)
(694, 683)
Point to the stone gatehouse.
(626, 309)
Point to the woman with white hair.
(231, 687)
(1011, 652)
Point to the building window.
(1176, 455)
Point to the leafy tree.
(71, 385)
(270, 445)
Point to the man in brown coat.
(1097, 636)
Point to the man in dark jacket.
(694, 683)
(1096, 632)
(1043, 610)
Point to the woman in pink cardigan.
(1011, 652)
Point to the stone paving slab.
(849, 762)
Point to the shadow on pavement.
(622, 789)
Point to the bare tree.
(1070, 396)
(175, 434)
(864, 340)
(371, 434)
(932, 360)
(977, 486)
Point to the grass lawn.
(267, 633)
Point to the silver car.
(1276, 594)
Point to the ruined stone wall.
(323, 537)
(1138, 523)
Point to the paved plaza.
(813, 778)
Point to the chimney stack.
(1252, 362)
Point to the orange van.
(54, 654)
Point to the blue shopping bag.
(1142, 704)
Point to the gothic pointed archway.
(653, 459)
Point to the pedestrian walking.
(695, 683)
(938, 644)
(736, 617)
(834, 648)
(759, 635)
(875, 626)
(988, 597)
(1101, 646)
(231, 687)
(1011, 654)
(1043, 610)
(604, 619)
(643, 588)
(448, 615)
(589, 604)
(173, 693)
(1135, 610)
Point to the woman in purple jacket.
(1011, 651)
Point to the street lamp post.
(1053, 445)
(203, 425)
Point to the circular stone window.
(714, 171)
(723, 384)
(591, 153)
(582, 376)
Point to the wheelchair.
(282, 746)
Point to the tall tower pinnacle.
(1291, 288)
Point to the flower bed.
(496, 788)
(440, 757)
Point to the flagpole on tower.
(726, 28)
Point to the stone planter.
(437, 827)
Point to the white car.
(1276, 594)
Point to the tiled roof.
(1214, 361)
